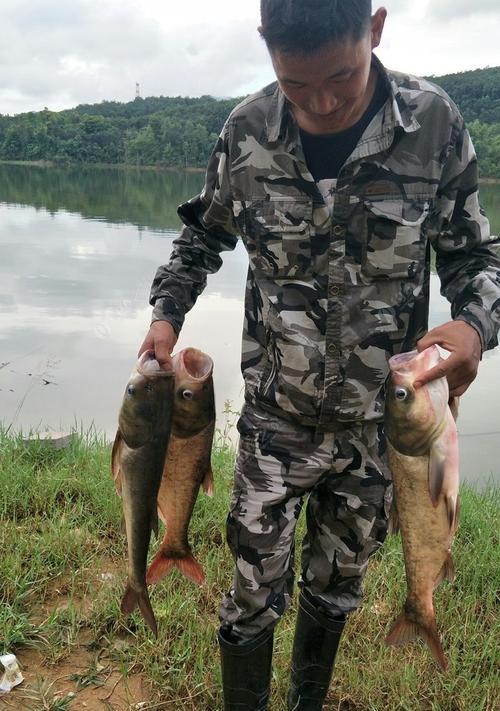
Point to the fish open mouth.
(406, 362)
(198, 365)
(149, 366)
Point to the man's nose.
(322, 103)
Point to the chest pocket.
(394, 241)
(278, 236)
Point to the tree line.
(180, 131)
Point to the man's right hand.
(161, 338)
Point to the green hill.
(476, 92)
(180, 131)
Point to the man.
(337, 177)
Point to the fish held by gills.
(188, 465)
(423, 457)
(138, 457)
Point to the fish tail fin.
(139, 598)
(190, 567)
(405, 630)
(159, 568)
(162, 564)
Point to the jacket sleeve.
(209, 229)
(467, 255)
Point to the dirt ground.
(104, 689)
(94, 681)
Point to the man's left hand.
(460, 368)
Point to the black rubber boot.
(315, 645)
(246, 671)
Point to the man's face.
(330, 89)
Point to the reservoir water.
(78, 250)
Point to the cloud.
(60, 56)
(458, 9)
(58, 53)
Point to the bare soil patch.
(97, 685)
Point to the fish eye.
(130, 390)
(401, 393)
(187, 394)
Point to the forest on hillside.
(180, 131)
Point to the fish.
(137, 461)
(187, 465)
(423, 456)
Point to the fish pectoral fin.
(457, 514)
(155, 525)
(447, 572)
(453, 405)
(115, 461)
(437, 469)
(393, 526)
(452, 511)
(208, 482)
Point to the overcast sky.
(59, 53)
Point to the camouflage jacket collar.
(395, 114)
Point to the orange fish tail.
(405, 630)
(132, 599)
(162, 564)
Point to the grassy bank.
(62, 569)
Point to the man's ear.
(259, 30)
(377, 26)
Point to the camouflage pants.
(347, 482)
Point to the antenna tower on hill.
(137, 90)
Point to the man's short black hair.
(306, 26)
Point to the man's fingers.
(162, 354)
(456, 392)
(426, 341)
(439, 371)
(147, 345)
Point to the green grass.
(60, 531)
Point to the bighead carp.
(423, 456)
(138, 459)
(187, 466)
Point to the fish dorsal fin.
(208, 482)
(437, 469)
(115, 461)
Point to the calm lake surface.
(78, 250)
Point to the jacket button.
(334, 290)
(332, 349)
(339, 231)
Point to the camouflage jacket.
(331, 295)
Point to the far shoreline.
(116, 166)
(483, 180)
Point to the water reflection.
(78, 250)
